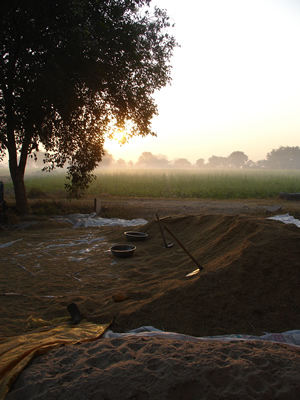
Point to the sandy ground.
(146, 208)
(249, 285)
(154, 368)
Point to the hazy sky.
(236, 81)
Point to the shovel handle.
(183, 248)
(161, 230)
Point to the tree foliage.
(218, 162)
(200, 162)
(147, 159)
(182, 163)
(237, 159)
(284, 158)
(72, 71)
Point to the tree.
(262, 164)
(120, 163)
(73, 71)
(147, 159)
(218, 162)
(284, 158)
(181, 163)
(251, 164)
(200, 163)
(107, 159)
(237, 159)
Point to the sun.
(119, 136)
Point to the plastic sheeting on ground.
(291, 338)
(16, 352)
(287, 219)
(93, 220)
(2, 246)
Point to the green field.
(206, 184)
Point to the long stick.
(162, 233)
(182, 246)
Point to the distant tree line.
(282, 158)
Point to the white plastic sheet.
(289, 337)
(287, 219)
(2, 246)
(92, 220)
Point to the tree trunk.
(20, 191)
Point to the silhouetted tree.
(218, 162)
(262, 163)
(120, 163)
(71, 70)
(107, 159)
(147, 159)
(181, 163)
(237, 159)
(251, 164)
(284, 158)
(200, 163)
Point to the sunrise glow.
(235, 82)
(119, 136)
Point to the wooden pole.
(162, 234)
(97, 206)
(183, 247)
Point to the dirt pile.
(249, 283)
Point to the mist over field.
(154, 176)
(166, 183)
(281, 158)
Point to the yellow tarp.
(16, 352)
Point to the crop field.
(169, 183)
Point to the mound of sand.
(155, 368)
(249, 285)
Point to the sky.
(235, 82)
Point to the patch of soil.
(249, 284)
(147, 208)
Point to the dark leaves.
(69, 70)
